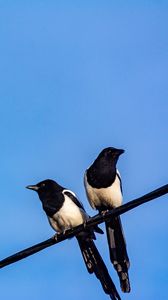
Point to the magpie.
(65, 211)
(103, 187)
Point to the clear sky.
(78, 76)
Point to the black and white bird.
(104, 191)
(65, 211)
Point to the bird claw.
(59, 233)
(84, 224)
(55, 237)
(65, 230)
(104, 212)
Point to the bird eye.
(43, 184)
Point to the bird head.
(45, 186)
(111, 153)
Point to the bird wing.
(73, 197)
(119, 177)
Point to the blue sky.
(78, 76)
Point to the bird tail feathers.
(118, 251)
(95, 264)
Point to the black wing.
(118, 175)
(80, 205)
(73, 198)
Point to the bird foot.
(65, 230)
(55, 236)
(104, 212)
(84, 224)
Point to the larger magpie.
(65, 211)
(104, 191)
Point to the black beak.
(32, 187)
(121, 151)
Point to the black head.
(110, 153)
(45, 186)
(102, 172)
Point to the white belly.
(69, 216)
(110, 197)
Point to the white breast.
(69, 216)
(110, 196)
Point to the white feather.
(69, 215)
(110, 196)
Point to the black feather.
(118, 251)
(95, 264)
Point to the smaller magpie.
(65, 211)
(104, 191)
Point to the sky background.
(76, 77)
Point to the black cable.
(97, 219)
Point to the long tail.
(96, 265)
(118, 251)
